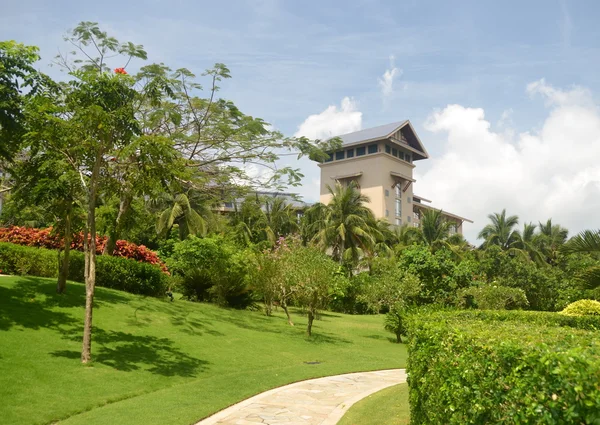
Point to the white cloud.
(386, 82)
(333, 121)
(553, 172)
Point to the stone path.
(321, 401)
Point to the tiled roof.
(371, 133)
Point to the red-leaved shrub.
(44, 238)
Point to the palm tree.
(348, 228)
(406, 235)
(528, 243)
(435, 229)
(180, 212)
(550, 239)
(281, 217)
(587, 241)
(501, 231)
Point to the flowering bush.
(44, 238)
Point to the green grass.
(157, 362)
(385, 407)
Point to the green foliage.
(112, 272)
(24, 260)
(492, 297)
(348, 227)
(395, 320)
(211, 269)
(435, 271)
(503, 368)
(582, 308)
(388, 285)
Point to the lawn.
(158, 362)
(385, 407)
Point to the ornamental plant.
(45, 238)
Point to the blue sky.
(290, 60)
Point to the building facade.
(381, 161)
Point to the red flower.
(120, 71)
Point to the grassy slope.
(157, 362)
(385, 407)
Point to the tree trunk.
(398, 338)
(90, 257)
(64, 264)
(124, 206)
(311, 318)
(287, 313)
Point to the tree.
(180, 212)
(501, 231)
(550, 239)
(349, 228)
(435, 229)
(16, 74)
(587, 241)
(313, 278)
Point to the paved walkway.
(321, 401)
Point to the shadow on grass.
(318, 339)
(380, 337)
(33, 302)
(127, 352)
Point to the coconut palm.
(435, 229)
(550, 239)
(281, 217)
(528, 243)
(587, 241)
(501, 231)
(180, 212)
(349, 228)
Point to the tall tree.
(181, 212)
(550, 239)
(587, 241)
(501, 231)
(349, 228)
(435, 229)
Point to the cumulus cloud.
(386, 81)
(333, 121)
(552, 172)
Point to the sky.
(504, 95)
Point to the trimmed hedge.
(111, 272)
(582, 308)
(503, 368)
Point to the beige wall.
(374, 181)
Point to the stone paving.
(321, 401)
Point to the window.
(395, 152)
(372, 149)
(350, 153)
(398, 222)
(401, 155)
(398, 207)
(387, 213)
(408, 157)
(387, 192)
(228, 204)
(408, 218)
(330, 158)
(398, 191)
(408, 199)
(388, 149)
(360, 151)
(339, 155)
(452, 229)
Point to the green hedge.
(503, 368)
(111, 272)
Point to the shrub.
(492, 297)
(45, 238)
(111, 272)
(471, 368)
(211, 269)
(582, 308)
(395, 321)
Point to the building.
(289, 198)
(381, 161)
